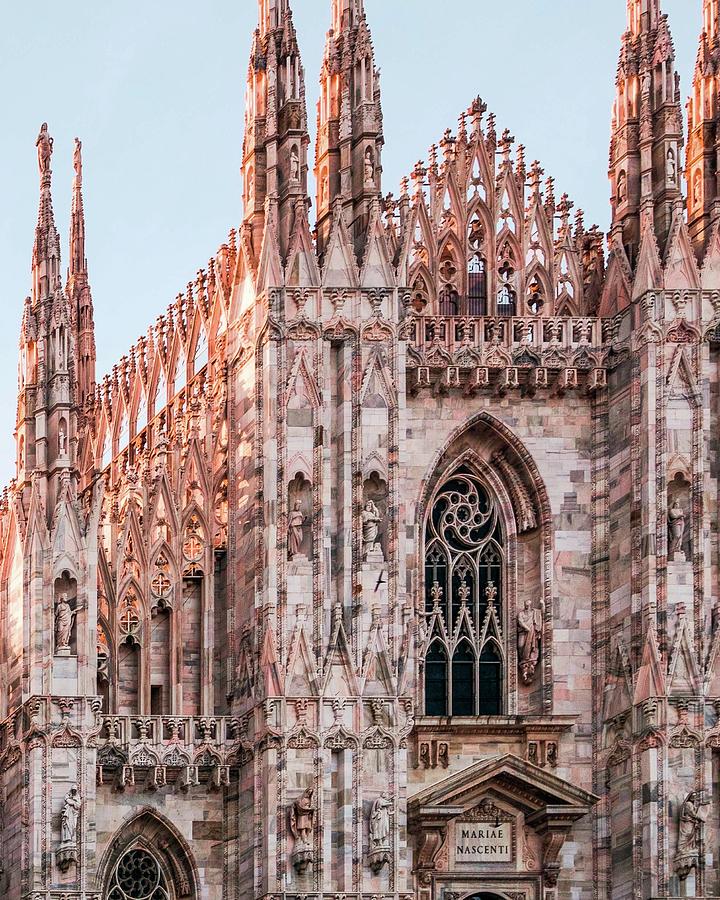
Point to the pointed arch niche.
(148, 860)
(485, 562)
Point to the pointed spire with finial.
(703, 202)
(276, 132)
(78, 288)
(647, 133)
(350, 126)
(46, 251)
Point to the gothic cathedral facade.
(384, 566)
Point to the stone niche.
(65, 617)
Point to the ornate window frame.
(491, 479)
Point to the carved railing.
(159, 750)
(481, 334)
(476, 352)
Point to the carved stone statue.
(62, 442)
(296, 524)
(676, 527)
(70, 814)
(371, 520)
(530, 624)
(302, 817)
(671, 167)
(77, 157)
(369, 166)
(67, 852)
(621, 188)
(294, 165)
(64, 617)
(44, 145)
(380, 821)
(693, 814)
(379, 854)
(302, 822)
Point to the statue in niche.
(379, 855)
(371, 520)
(296, 528)
(671, 167)
(62, 441)
(380, 820)
(530, 624)
(294, 164)
(693, 814)
(302, 821)
(676, 528)
(369, 166)
(67, 852)
(621, 188)
(64, 618)
(44, 146)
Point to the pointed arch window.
(477, 269)
(449, 296)
(464, 600)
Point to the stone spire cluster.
(703, 152)
(276, 141)
(57, 345)
(348, 164)
(383, 564)
(647, 132)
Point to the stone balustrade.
(532, 353)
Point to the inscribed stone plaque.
(483, 842)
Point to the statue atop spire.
(44, 144)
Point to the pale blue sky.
(155, 91)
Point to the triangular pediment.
(509, 779)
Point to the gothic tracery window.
(449, 295)
(477, 269)
(138, 876)
(464, 600)
(506, 294)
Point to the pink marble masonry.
(384, 565)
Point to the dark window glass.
(436, 681)
(490, 682)
(463, 688)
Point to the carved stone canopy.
(549, 804)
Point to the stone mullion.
(393, 510)
(37, 800)
(636, 504)
(661, 545)
(599, 628)
(697, 514)
(207, 618)
(648, 766)
(357, 822)
(277, 547)
(636, 525)
(356, 502)
(318, 511)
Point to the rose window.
(138, 876)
